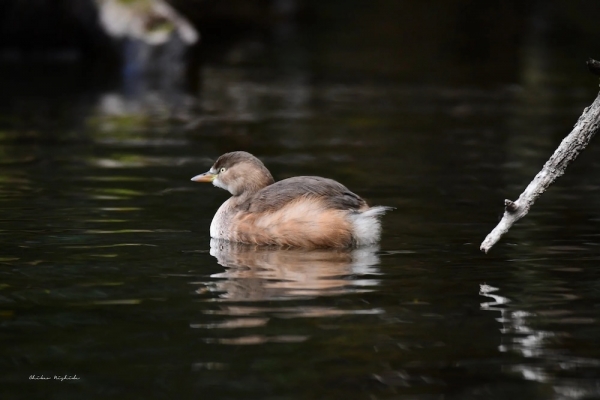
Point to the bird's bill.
(205, 177)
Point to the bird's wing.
(332, 193)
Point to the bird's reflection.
(256, 273)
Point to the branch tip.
(593, 66)
(510, 205)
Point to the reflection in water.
(261, 273)
(256, 274)
(546, 360)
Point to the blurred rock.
(154, 22)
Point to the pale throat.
(218, 183)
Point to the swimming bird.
(303, 211)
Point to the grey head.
(237, 172)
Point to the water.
(109, 277)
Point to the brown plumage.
(304, 211)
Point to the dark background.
(441, 109)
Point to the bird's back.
(304, 211)
(332, 194)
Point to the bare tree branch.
(584, 130)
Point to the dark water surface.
(107, 272)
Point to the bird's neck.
(254, 185)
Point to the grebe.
(304, 211)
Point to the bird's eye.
(223, 169)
